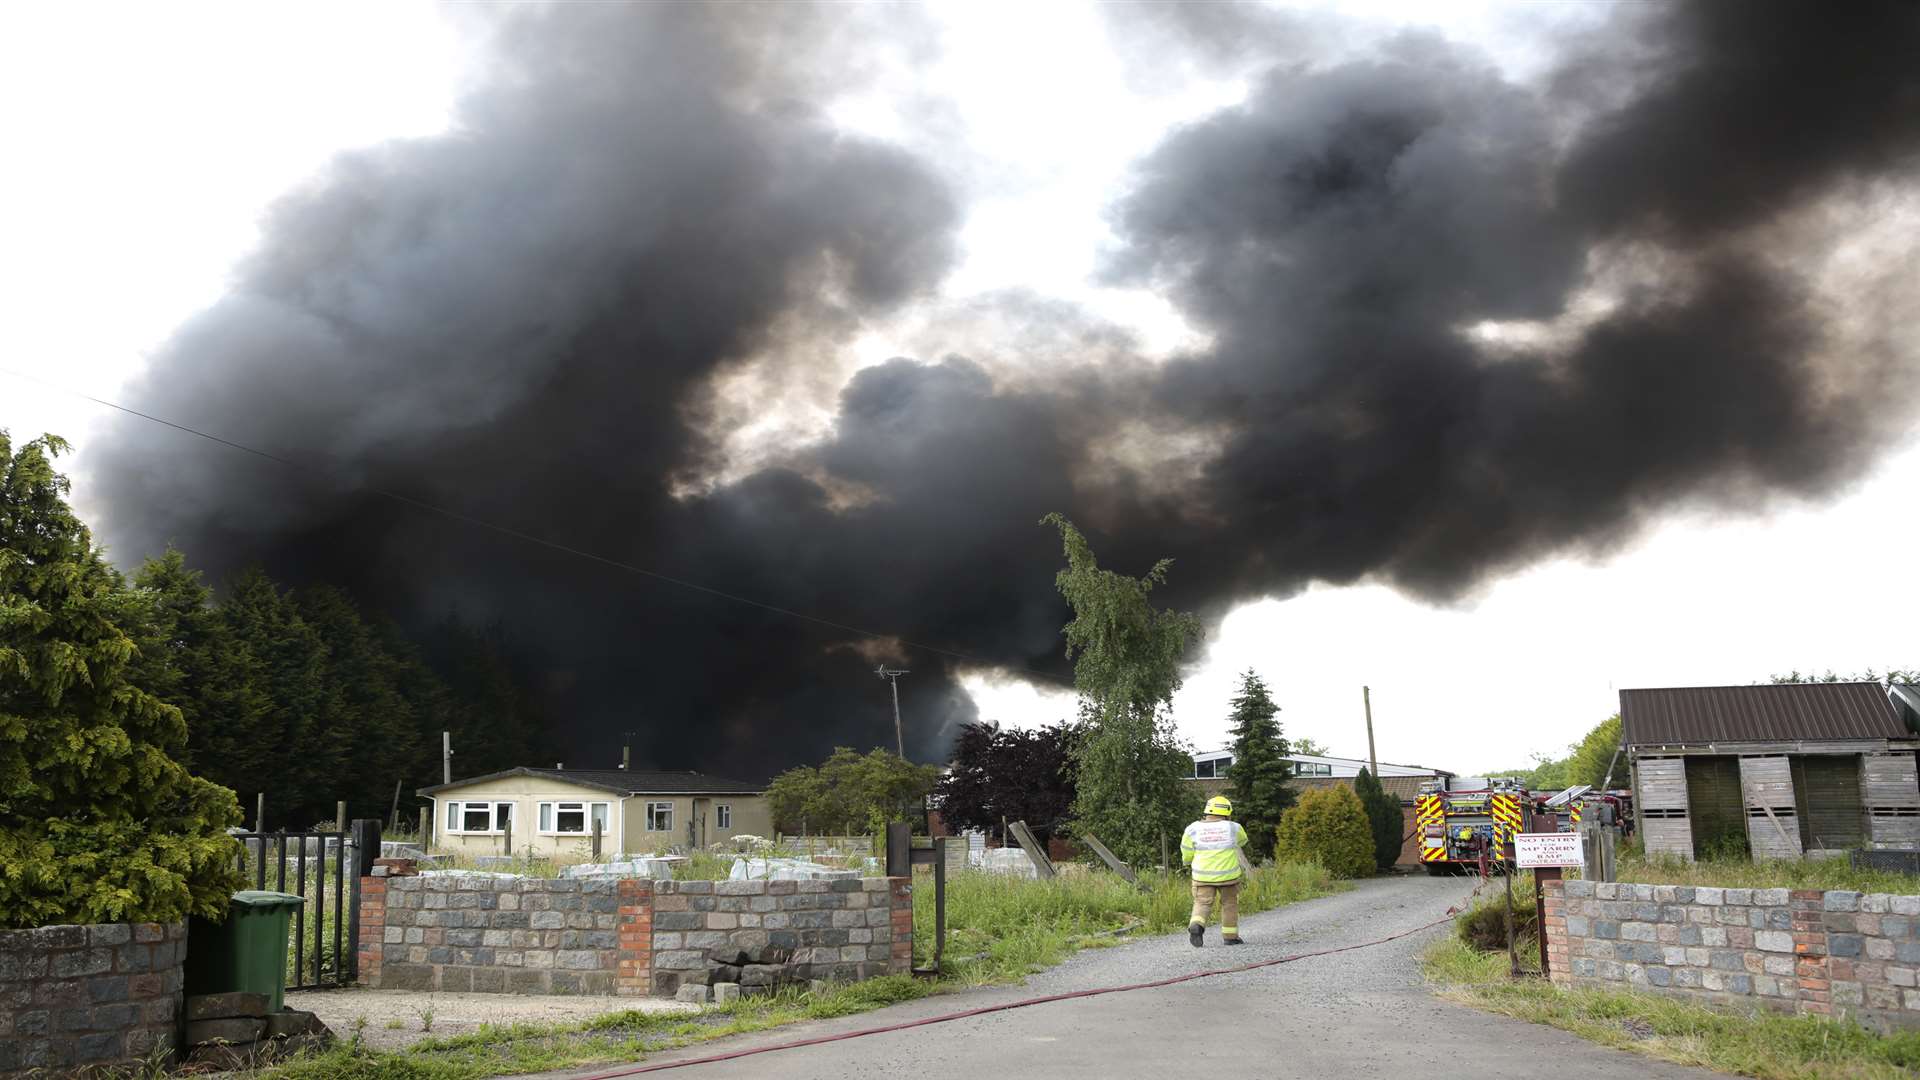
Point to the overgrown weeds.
(1735, 873)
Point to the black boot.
(1196, 933)
(1235, 940)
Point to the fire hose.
(1022, 1004)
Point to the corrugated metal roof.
(1786, 712)
(624, 781)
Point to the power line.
(525, 537)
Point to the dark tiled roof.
(1787, 712)
(623, 781)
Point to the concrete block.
(226, 1006)
(1574, 890)
(725, 992)
(1840, 900)
(1708, 897)
(1778, 941)
(1845, 945)
(1637, 931)
(231, 1030)
(694, 993)
(1714, 937)
(1737, 897)
(1771, 897)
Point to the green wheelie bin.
(246, 953)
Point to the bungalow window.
(478, 817)
(1211, 768)
(723, 815)
(570, 818)
(659, 817)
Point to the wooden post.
(260, 818)
(1542, 874)
(396, 806)
(1366, 699)
(506, 837)
(426, 827)
(596, 839)
(446, 757)
(1513, 956)
(1042, 866)
(1108, 857)
(340, 816)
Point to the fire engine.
(1458, 827)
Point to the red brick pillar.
(371, 947)
(1810, 951)
(633, 971)
(1553, 920)
(900, 894)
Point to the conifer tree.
(1130, 769)
(215, 679)
(1384, 818)
(1258, 777)
(104, 824)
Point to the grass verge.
(1763, 1045)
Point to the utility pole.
(899, 733)
(446, 757)
(1366, 699)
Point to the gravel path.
(1364, 1014)
(398, 1018)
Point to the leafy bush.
(1328, 826)
(103, 822)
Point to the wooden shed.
(1775, 770)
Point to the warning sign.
(1547, 849)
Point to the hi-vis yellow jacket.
(1212, 848)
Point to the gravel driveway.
(1360, 1014)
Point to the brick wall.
(72, 996)
(472, 932)
(1805, 951)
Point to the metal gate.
(323, 868)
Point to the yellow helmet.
(1220, 805)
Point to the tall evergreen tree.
(215, 679)
(375, 725)
(103, 822)
(1258, 778)
(1130, 769)
(306, 751)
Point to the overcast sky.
(148, 140)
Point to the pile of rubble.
(240, 1031)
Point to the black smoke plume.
(1396, 256)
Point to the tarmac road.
(1365, 1013)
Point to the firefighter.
(1211, 846)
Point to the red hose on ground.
(984, 1010)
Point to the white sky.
(148, 139)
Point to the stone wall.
(759, 935)
(499, 934)
(479, 933)
(1805, 951)
(72, 996)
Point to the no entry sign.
(1547, 849)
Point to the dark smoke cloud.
(525, 321)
